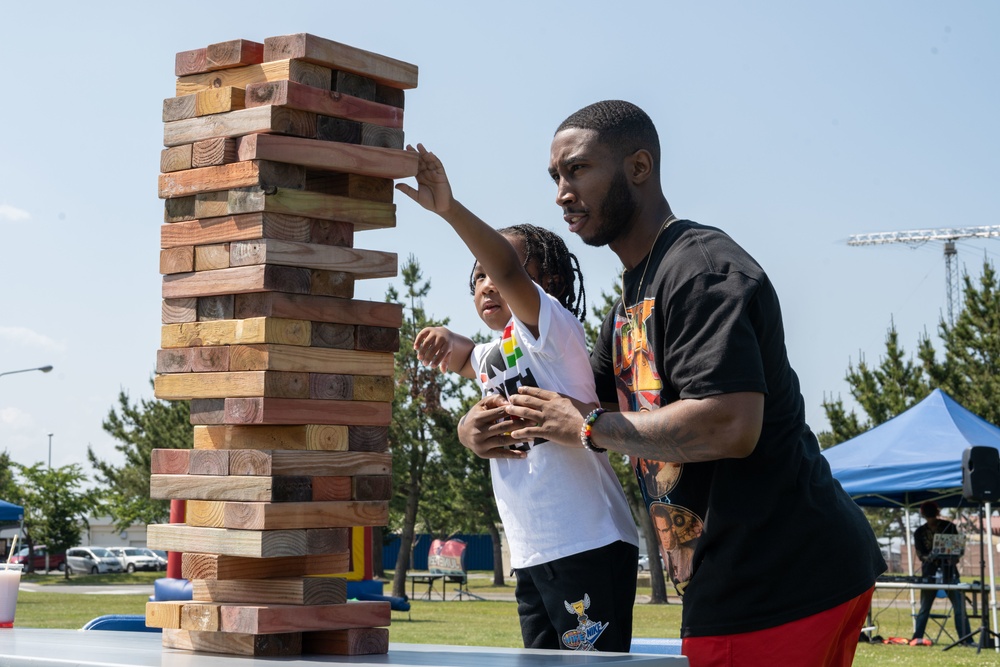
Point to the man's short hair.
(619, 124)
(929, 509)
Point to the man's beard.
(616, 212)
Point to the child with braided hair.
(573, 542)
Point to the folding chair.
(941, 618)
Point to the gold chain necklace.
(638, 295)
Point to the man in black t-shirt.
(930, 564)
(693, 358)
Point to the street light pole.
(50, 450)
(44, 369)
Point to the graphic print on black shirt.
(678, 528)
(501, 371)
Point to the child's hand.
(434, 191)
(434, 347)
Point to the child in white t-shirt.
(572, 538)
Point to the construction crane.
(949, 236)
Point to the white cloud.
(8, 212)
(15, 418)
(29, 338)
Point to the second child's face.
(490, 305)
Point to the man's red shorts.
(826, 639)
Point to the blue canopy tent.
(913, 457)
(10, 513)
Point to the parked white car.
(160, 556)
(134, 558)
(95, 560)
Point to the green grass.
(473, 623)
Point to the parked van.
(95, 560)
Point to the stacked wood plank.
(276, 153)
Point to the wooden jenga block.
(256, 330)
(368, 160)
(200, 617)
(320, 309)
(334, 488)
(368, 439)
(164, 613)
(169, 461)
(213, 152)
(222, 567)
(237, 280)
(177, 260)
(251, 173)
(371, 388)
(305, 410)
(248, 543)
(208, 462)
(192, 359)
(358, 263)
(319, 437)
(322, 102)
(366, 487)
(280, 120)
(230, 487)
(307, 463)
(353, 641)
(211, 256)
(185, 386)
(315, 514)
(332, 335)
(203, 103)
(177, 158)
(313, 49)
(259, 619)
(298, 70)
(286, 590)
(358, 212)
(254, 226)
(342, 184)
(249, 644)
(223, 55)
(176, 311)
(298, 358)
(218, 307)
(204, 513)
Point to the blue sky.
(790, 125)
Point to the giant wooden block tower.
(276, 153)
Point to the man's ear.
(639, 166)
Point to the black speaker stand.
(987, 638)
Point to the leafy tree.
(139, 428)
(623, 466)
(419, 419)
(7, 483)
(55, 504)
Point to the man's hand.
(549, 415)
(434, 191)
(485, 430)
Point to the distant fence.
(478, 551)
